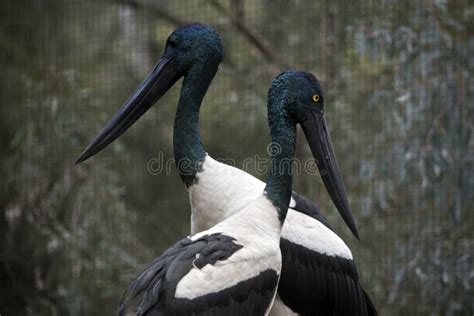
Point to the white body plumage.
(257, 229)
(222, 191)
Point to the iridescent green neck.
(279, 183)
(188, 150)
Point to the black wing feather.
(316, 284)
(371, 310)
(250, 297)
(152, 292)
(157, 282)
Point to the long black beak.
(319, 141)
(156, 83)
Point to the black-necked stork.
(233, 268)
(319, 275)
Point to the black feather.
(312, 283)
(371, 310)
(152, 292)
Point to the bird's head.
(193, 45)
(301, 94)
(193, 51)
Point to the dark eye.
(172, 42)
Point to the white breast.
(257, 229)
(221, 191)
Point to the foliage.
(399, 94)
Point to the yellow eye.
(316, 98)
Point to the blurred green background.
(398, 79)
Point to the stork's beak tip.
(78, 161)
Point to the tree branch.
(154, 10)
(260, 43)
